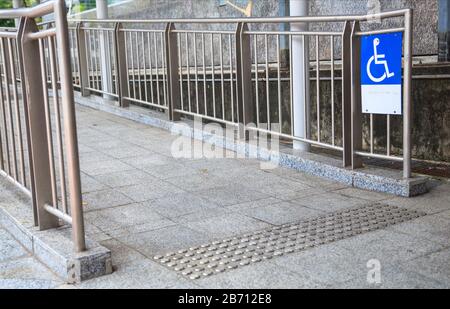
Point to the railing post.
(356, 130)
(173, 77)
(407, 95)
(246, 108)
(35, 88)
(121, 66)
(347, 95)
(20, 35)
(82, 60)
(70, 127)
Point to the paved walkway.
(141, 202)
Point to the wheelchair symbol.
(379, 60)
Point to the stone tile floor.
(140, 202)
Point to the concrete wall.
(425, 13)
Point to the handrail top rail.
(287, 19)
(33, 12)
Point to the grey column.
(102, 13)
(444, 30)
(300, 73)
(17, 4)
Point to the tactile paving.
(232, 253)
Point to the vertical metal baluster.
(96, 61)
(204, 74)
(372, 146)
(196, 73)
(87, 42)
(291, 88)
(222, 77)
(256, 80)
(110, 62)
(127, 62)
(213, 75)
(48, 126)
(165, 69)
(2, 97)
(180, 61)
(266, 40)
(151, 66)
(145, 67)
(9, 112)
(318, 88)
(333, 137)
(230, 43)
(56, 104)
(4, 107)
(138, 62)
(157, 68)
(388, 133)
(133, 72)
(18, 121)
(280, 116)
(91, 54)
(188, 72)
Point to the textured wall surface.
(425, 13)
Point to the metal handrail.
(24, 52)
(184, 61)
(290, 19)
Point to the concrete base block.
(54, 248)
(369, 178)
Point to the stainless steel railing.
(38, 136)
(236, 71)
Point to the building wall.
(425, 13)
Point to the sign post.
(381, 73)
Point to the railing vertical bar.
(110, 55)
(388, 135)
(188, 67)
(96, 61)
(165, 70)
(204, 74)
(291, 82)
(145, 66)
(133, 72)
(9, 110)
(266, 40)
(3, 110)
(59, 128)
(230, 43)
(70, 129)
(151, 67)
(196, 73)
(372, 146)
(138, 60)
(48, 126)
(333, 131)
(280, 116)
(4, 107)
(18, 121)
(87, 39)
(157, 68)
(127, 61)
(407, 93)
(318, 88)
(180, 71)
(222, 76)
(213, 75)
(256, 81)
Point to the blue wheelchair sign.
(381, 73)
